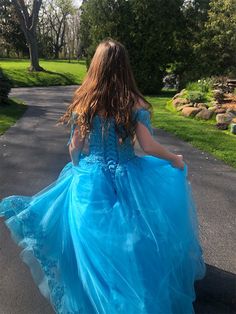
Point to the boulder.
(201, 105)
(182, 107)
(190, 111)
(204, 114)
(212, 108)
(179, 102)
(233, 120)
(233, 128)
(218, 95)
(177, 96)
(220, 110)
(231, 110)
(224, 118)
(222, 126)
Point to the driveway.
(34, 150)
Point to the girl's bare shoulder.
(141, 104)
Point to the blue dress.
(117, 234)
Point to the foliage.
(5, 87)
(207, 44)
(218, 39)
(11, 35)
(53, 25)
(203, 85)
(147, 28)
(200, 90)
(195, 96)
(187, 62)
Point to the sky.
(78, 2)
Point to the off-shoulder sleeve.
(73, 126)
(143, 115)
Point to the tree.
(72, 43)
(186, 58)
(218, 42)
(54, 21)
(28, 20)
(147, 28)
(12, 37)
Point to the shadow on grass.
(25, 78)
(81, 61)
(68, 77)
(164, 93)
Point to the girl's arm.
(152, 147)
(75, 146)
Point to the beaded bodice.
(102, 144)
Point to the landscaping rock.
(204, 114)
(201, 105)
(179, 102)
(233, 128)
(177, 96)
(224, 118)
(218, 95)
(230, 110)
(184, 106)
(190, 111)
(233, 120)
(220, 110)
(212, 108)
(222, 126)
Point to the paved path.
(34, 150)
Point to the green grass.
(59, 72)
(201, 134)
(10, 113)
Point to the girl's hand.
(178, 162)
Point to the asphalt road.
(32, 153)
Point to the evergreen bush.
(5, 87)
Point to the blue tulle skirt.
(99, 243)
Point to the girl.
(115, 233)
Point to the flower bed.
(202, 100)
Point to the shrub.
(204, 85)
(195, 96)
(5, 87)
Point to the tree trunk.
(33, 50)
(56, 52)
(28, 21)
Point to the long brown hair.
(109, 89)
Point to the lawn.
(201, 134)
(59, 72)
(10, 113)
